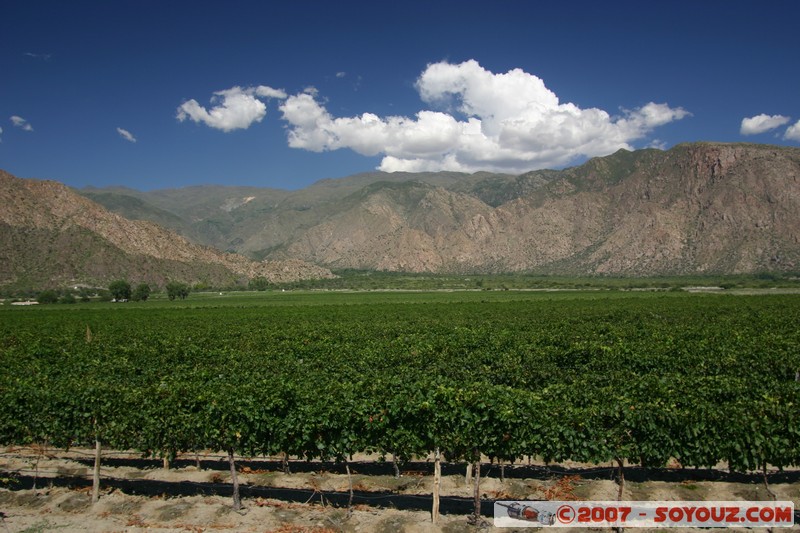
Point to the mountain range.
(51, 237)
(696, 208)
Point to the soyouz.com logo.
(643, 514)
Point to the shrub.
(47, 297)
(141, 293)
(120, 290)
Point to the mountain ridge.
(630, 213)
(696, 208)
(52, 236)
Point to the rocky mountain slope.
(252, 220)
(701, 207)
(50, 236)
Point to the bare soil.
(140, 495)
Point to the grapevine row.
(700, 381)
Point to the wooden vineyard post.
(285, 463)
(620, 478)
(477, 492)
(395, 466)
(349, 487)
(621, 481)
(437, 481)
(766, 483)
(96, 473)
(237, 502)
(769, 490)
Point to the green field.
(590, 376)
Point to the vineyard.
(607, 378)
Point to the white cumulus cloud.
(234, 108)
(761, 123)
(480, 121)
(21, 123)
(125, 134)
(268, 92)
(793, 132)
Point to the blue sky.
(155, 94)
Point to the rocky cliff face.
(50, 236)
(705, 208)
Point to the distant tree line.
(371, 280)
(119, 290)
